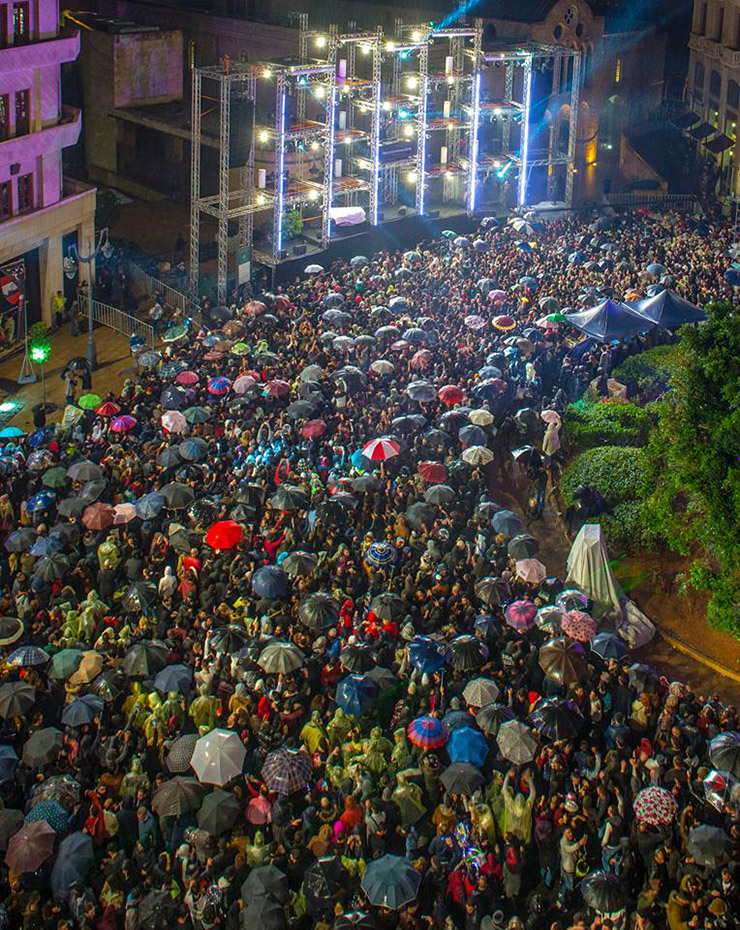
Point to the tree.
(695, 461)
(292, 224)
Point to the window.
(4, 116)
(720, 23)
(618, 71)
(25, 193)
(699, 77)
(21, 24)
(703, 20)
(587, 63)
(715, 84)
(3, 25)
(5, 201)
(22, 112)
(733, 95)
(737, 30)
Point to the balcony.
(53, 138)
(65, 47)
(709, 47)
(731, 57)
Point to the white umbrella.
(382, 366)
(313, 269)
(481, 691)
(218, 757)
(477, 455)
(174, 421)
(481, 417)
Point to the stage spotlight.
(408, 131)
(267, 73)
(413, 82)
(260, 199)
(412, 177)
(386, 105)
(264, 135)
(319, 92)
(314, 146)
(366, 49)
(390, 46)
(313, 195)
(320, 41)
(416, 36)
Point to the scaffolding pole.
(375, 130)
(572, 128)
(224, 140)
(194, 270)
(472, 178)
(421, 130)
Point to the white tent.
(590, 572)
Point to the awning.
(684, 120)
(719, 143)
(702, 131)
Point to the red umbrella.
(98, 516)
(313, 429)
(187, 378)
(107, 409)
(451, 394)
(504, 323)
(255, 307)
(579, 626)
(277, 388)
(224, 535)
(280, 303)
(123, 423)
(30, 847)
(378, 450)
(433, 472)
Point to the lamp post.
(102, 246)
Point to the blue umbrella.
(12, 432)
(427, 655)
(609, 646)
(576, 258)
(47, 545)
(21, 539)
(656, 268)
(506, 523)
(8, 762)
(149, 506)
(380, 554)
(529, 282)
(355, 694)
(174, 678)
(487, 624)
(457, 719)
(39, 436)
(83, 710)
(26, 656)
(361, 462)
(53, 813)
(472, 436)
(74, 857)
(41, 501)
(467, 745)
(270, 581)
(390, 881)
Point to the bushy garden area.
(667, 465)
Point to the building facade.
(40, 215)
(713, 87)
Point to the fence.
(683, 203)
(144, 282)
(118, 320)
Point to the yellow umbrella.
(91, 665)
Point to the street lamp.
(104, 246)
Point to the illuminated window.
(4, 116)
(618, 71)
(21, 24)
(25, 193)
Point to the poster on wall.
(12, 296)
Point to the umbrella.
(91, 665)
(472, 435)
(481, 691)
(54, 477)
(571, 600)
(390, 882)
(41, 501)
(224, 535)
(609, 646)
(177, 796)
(724, 752)
(491, 716)
(8, 763)
(428, 732)
(380, 554)
(531, 571)
(280, 658)
(481, 417)
(11, 630)
(262, 881)
(30, 847)
(579, 626)
(28, 656)
(520, 615)
(218, 757)
(467, 652)
(319, 611)
(556, 720)
(710, 846)
(16, 699)
(42, 746)
(287, 770)
(522, 546)
(721, 790)
(421, 515)
(289, 497)
(155, 911)
(98, 516)
(655, 806)
(84, 470)
(177, 678)
(487, 624)
(110, 685)
(492, 590)
(517, 742)
(379, 450)
(11, 822)
(146, 658)
(427, 655)
(388, 606)
(605, 892)
(355, 694)
(264, 912)
(194, 449)
(21, 540)
(89, 401)
(477, 455)
(270, 582)
(82, 710)
(432, 472)
(354, 920)
(421, 391)
(356, 658)
(180, 752)
(461, 778)
(563, 661)
(299, 563)
(149, 506)
(74, 857)
(197, 414)
(177, 496)
(643, 677)
(365, 484)
(323, 881)
(122, 424)
(467, 745)
(139, 596)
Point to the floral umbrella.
(655, 806)
(579, 626)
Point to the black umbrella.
(527, 455)
(140, 596)
(145, 659)
(177, 796)
(461, 778)
(490, 717)
(265, 881)
(299, 563)
(492, 591)
(710, 846)
(52, 567)
(523, 546)
(42, 746)
(604, 892)
(177, 496)
(365, 484)
(356, 658)
(318, 611)
(642, 677)
(264, 913)
(288, 497)
(219, 811)
(468, 652)
(354, 920)
(16, 699)
(323, 880)
(330, 511)
(556, 720)
(230, 638)
(10, 823)
(110, 685)
(724, 751)
(270, 582)
(155, 911)
(174, 398)
(388, 606)
(76, 364)
(169, 457)
(72, 507)
(563, 661)
(421, 515)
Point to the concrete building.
(713, 87)
(41, 216)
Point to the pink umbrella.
(313, 429)
(123, 424)
(474, 321)
(399, 345)
(243, 384)
(544, 323)
(521, 615)
(277, 388)
(174, 421)
(378, 450)
(255, 307)
(98, 516)
(498, 297)
(531, 570)
(214, 355)
(579, 626)
(123, 514)
(187, 378)
(550, 416)
(259, 811)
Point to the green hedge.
(625, 529)
(651, 369)
(589, 425)
(619, 473)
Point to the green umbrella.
(89, 401)
(556, 318)
(174, 333)
(240, 348)
(54, 477)
(197, 414)
(65, 663)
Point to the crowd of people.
(274, 655)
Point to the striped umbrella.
(428, 732)
(521, 615)
(380, 450)
(123, 424)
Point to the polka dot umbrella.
(655, 806)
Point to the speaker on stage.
(433, 215)
(299, 250)
(402, 211)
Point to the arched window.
(699, 76)
(715, 84)
(733, 95)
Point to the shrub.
(626, 531)
(619, 473)
(650, 370)
(588, 425)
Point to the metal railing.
(684, 203)
(150, 286)
(117, 320)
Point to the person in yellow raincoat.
(313, 733)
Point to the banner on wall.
(12, 297)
